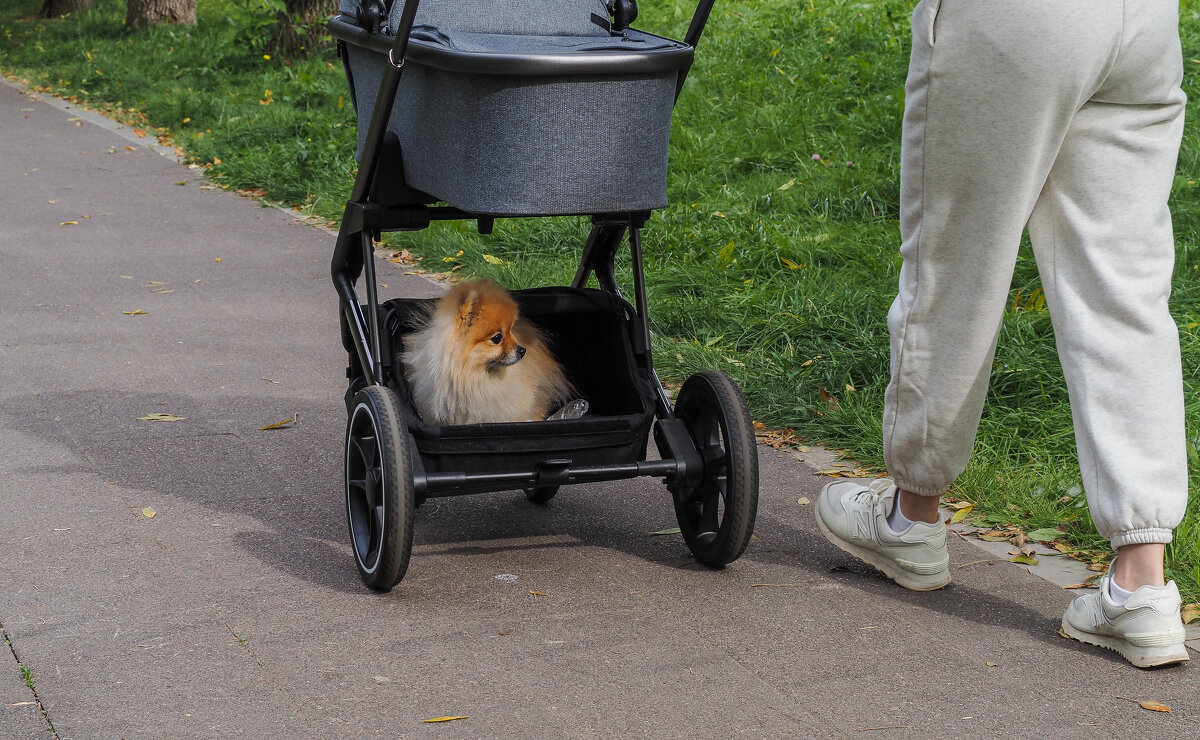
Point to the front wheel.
(716, 515)
(379, 487)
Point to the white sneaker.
(854, 517)
(1146, 629)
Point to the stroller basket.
(552, 114)
(590, 334)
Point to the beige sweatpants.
(1064, 116)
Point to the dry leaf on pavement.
(278, 424)
(1190, 613)
(444, 719)
(161, 417)
(1153, 706)
(962, 513)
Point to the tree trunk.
(59, 8)
(158, 12)
(303, 26)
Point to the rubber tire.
(716, 516)
(541, 494)
(379, 487)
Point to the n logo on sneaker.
(864, 524)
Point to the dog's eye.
(498, 337)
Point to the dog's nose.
(520, 351)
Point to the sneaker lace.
(874, 490)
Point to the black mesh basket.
(590, 334)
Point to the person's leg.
(1103, 240)
(991, 91)
(1102, 236)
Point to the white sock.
(897, 522)
(1117, 594)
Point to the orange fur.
(477, 360)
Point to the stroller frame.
(706, 441)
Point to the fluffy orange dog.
(477, 360)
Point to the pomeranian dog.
(476, 360)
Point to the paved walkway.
(236, 611)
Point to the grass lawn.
(776, 261)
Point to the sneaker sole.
(1142, 657)
(911, 581)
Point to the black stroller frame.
(394, 461)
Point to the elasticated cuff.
(1146, 536)
(920, 491)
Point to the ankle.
(918, 508)
(1139, 565)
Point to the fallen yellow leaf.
(1190, 613)
(1023, 560)
(537, 593)
(149, 512)
(803, 501)
(69, 223)
(1153, 706)
(161, 417)
(277, 425)
(962, 513)
(493, 260)
(987, 537)
(134, 312)
(444, 719)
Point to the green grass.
(775, 262)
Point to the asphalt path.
(130, 286)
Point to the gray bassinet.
(522, 107)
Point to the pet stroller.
(485, 109)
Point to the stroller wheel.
(540, 494)
(716, 516)
(379, 487)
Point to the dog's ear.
(468, 307)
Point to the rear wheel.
(716, 515)
(379, 487)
